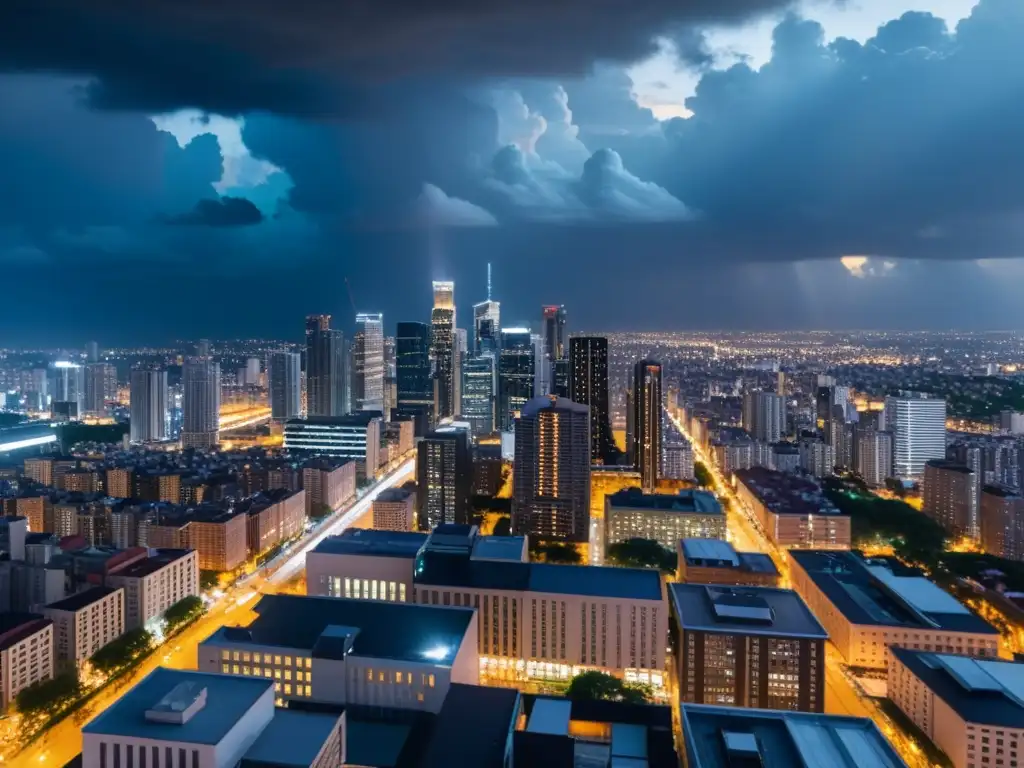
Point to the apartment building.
(633, 514)
(950, 497)
(394, 510)
(85, 622)
(273, 517)
(351, 652)
(153, 585)
(792, 510)
(871, 604)
(716, 561)
(26, 653)
(219, 536)
(754, 647)
(1002, 522)
(328, 483)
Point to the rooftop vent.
(741, 749)
(739, 605)
(178, 705)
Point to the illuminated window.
(225, 655)
(225, 668)
(380, 676)
(287, 661)
(277, 687)
(430, 681)
(256, 658)
(369, 675)
(309, 691)
(419, 697)
(277, 674)
(287, 689)
(401, 592)
(309, 663)
(267, 672)
(398, 677)
(287, 674)
(245, 656)
(277, 660)
(234, 669)
(236, 655)
(245, 670)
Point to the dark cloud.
(223, 212)
(313, 56)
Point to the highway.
(64, 741)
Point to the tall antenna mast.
(488, 281)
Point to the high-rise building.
(92, 352)
(368, 363)
(874, 456)
(764, 415)
(100, 387)
(918, 425)
(486, 326)
(1002, 522)
(588, 385)
(950, 497)
(67, 389)
(515, 375)
(326, 368)
(478, 393)
(444, 474)
(677, 459)
(200, 384)
(560, 373)
(647, 407)
(551, 473)
(203, 348)
(415, 389)
(148, 406)
(284, 378)
(555, 346)
(443, 348)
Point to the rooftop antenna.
(488, 281)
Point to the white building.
(185, 719)
(677, 460)
(26, 653)
(85, 622)
(153, 585)
(148, 403)
(368, 363)
(200, 384)
(918, 425)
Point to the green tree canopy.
(702, 475)
(642, 553)
(183, 612)
(503, 527)
(122, 651)
(49, 696)
(553, 552)
(599, 686)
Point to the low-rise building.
(716, 561)
(972, 709)
(350, 652)
(394, 509)
(792, 510)
(218, 534)
(355, 437)
(633, 514)
(26, 653)
(273, 517)
(184, 719)
(364, 563)
(85, 622)
(605, 481)
(870, 604)
(153, 585)
(727, 737)
(747, 647)
(328, 483)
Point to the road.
(64, 741)
(842, 695)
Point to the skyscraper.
(444, 472)
(551, 474)
(68, 389)
(148, 406)
(553, 330)
(478, 393)
(326, 368)
(446, 358)
(588, 385)
(368, 359)
(874, 456)
(415, 389)
(486, 326)
(918, 425)
(92, 352)
(515, 375)
(284, 378)
(767, 414)
(100, 387)
(949, 494)
(647, 421)
(200, 384)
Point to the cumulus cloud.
(435, 208)
(224, 212)
(867, 266)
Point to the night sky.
(185, 168)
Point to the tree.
(320, 511)
(598, 686)
(702, 475)
(122, 651)
(208, 580)
(504, 526)
(183, 611)
(642, 553)
(49, 696)
(553, 552)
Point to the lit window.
(419, 697)
(277, 687)
(245, 670)
(245, 656)
(234, 669)
(309, 691)
(430, 681)
(277, 660)
(225, 655)
(256, 658)
(225, 668)
(398, 677)
(287, 674)
(287, 689)
(309, 662)
(287, 661)
(369, 675)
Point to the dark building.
(554, 341)
(647, 408)
(950, 497)
(415, 388)
(1002, 522)
(560, 373)
(326, 369)
(488, 466)
(515, 375)
(757, 647)
(588, 385)
(444, 473)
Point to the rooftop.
(744, 610)
(492, 712)
(719, 737)
(786, 493)
(716, 553)
(227, 700)
(949, 466)
(685, 502)
(153, 563)
(329, 626)
(367, 541)
(884, 592)
(544, 402)
(982, 691)
(82, 599)
(15, 627)
(395, 494)
(499, 548)
(293, 738)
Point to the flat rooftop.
(374, 629)
(884, 592)
(716, 553)
(949, 466)
(292, 737)
(15, 627)
(489, 713)
(82, 599)
(688, 501)
(499, 548)
(720, 737)
(153, 563)
(395, 495)
(982, 691)
(371, 542)
(744, 611)
(786, 493)
(228, 698)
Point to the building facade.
(647, 413)
(792, 510)
(26, 654)
(414, 385)
(1002, 522)
(200, 384)
(516, 369)
(148, 406)
(154, 584)
(355, 437)
(478, 396)
(918, 425)
(444, 351)
(950, 497)
(394, 510)
(444, 473)
(633, 514)
(284, 377)
(85, 622)
(874, 457)
(588, 385)
(326, 368)
(368, 363)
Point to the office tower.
(148, 406)
(486, 326)
(284, 379)
(326, 368)
(92, 352)
(554, 332)
(918, 425)
(764, 415)
(1002, 522)
(647, 406)
(368, 363)
(442, 341)
(478, 393)
(551, 473)
(950, 497)
(68, 389)
(252, 371)
(389, 355)
(415, 388)
(823, 409)
(100, 387)
(541, 366)
(203, 348)
(588, 385)
(444, 473)
(780, 383)
(874, 456)
(461, 341)
(560, 374)
(515, 375)
(200, 384)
